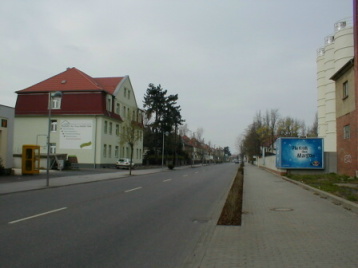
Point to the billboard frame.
(300, 153)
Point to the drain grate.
(282, 209)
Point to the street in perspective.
(169, 219)
(153, 220)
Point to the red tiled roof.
(75, 80)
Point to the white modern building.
(6, 135)
(338, 49)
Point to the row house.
(83, 117)
(200, 152)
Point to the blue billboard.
(296, 153)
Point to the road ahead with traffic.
(154, 220)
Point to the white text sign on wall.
(76, 134)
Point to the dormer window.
(55, 100)
(109, 104)
(55, 103)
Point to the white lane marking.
(185, 175)
(167, 180)
(134, 189)
(38, 215)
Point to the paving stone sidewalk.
(284, 225)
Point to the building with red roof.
(85, 121)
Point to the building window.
(118, 108)
(345, 90)
(129, 94)
(109, 104)
(3, 123)
(109, 151)
(125, 92)
(105, 150)
(110, 128)
(105, 127)
(116, 152)
(346, 132)
(55, 103)
(117, 129)
(53, 125)
(52, 148)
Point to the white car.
(124, 163)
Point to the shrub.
(171, 166)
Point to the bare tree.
(313, 130)
(199, 134)
(274, 117)
(289, 127)
(131, 133)
(183, 130)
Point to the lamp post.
(164, 133)
(163, 152)
(57, 94)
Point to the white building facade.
(337, 51)
(6, 135)
(85, 122)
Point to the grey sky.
(226, 59)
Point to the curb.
(346, 204)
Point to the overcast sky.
(226, 59)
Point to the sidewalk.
(58, 180)
(283, 225)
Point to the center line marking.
(167, 180)
(38, 215)
(134, 189)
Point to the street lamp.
(57, 94)
(166, 133)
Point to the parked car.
(124, 163)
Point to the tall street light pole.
(57, 94)
(164, 134)
(163, 152)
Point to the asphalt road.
(152, 220)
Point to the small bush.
(171, 166)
